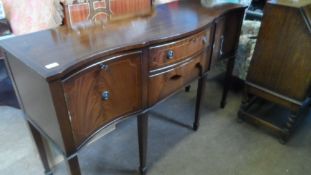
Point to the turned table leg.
(142, 126)
(290, 124)
(41, 149)
(228, 81)
(243, 106)
(200, 93)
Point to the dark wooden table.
(72, 83)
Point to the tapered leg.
(200, 92)
(142, 124)
(41, 149)
(227, 84)
(73, 166)
(187, 89)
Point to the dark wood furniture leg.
(290, 125)
(227, 84)
(200, 92)
(142, 126)
(187, 89)
(41, 149)
(73, 165)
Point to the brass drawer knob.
(105, 95)
(104, 67)
(170, 54)
(204, 40)
(221, 50)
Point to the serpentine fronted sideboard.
(72, 83)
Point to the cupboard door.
(102, 93)
(165, 83)
(227, 34)
(219, 39)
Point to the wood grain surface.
(181, 49)
(281, 62)
(83, 92)
(73, 82)
(71, 49)
(165, 83)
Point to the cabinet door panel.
(227, 33)
(218, 40)
(102, 93)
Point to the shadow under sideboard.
(7, 94)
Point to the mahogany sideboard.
(72, 83)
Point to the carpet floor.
(221, 146)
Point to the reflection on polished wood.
(73, 82)
(71, 48)
(156, 2)
(122, 97)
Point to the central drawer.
(169, 53)
(163, 84)
(103, 92)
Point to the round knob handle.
(106, 95)
(170, 54)
(204, 40)
(104, 67)
(221, 50)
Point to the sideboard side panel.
(234, 20)
(34, 94)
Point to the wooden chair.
(280, 71)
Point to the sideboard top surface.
(56, 52)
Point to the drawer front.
(102, 93)
(163, 84)
(173, 52)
